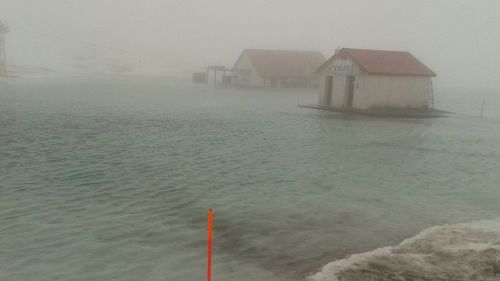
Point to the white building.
(371, 79)
(276, 68)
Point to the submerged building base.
(392, 112)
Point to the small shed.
(277, 68)
(375, 79)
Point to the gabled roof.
(283, 63)
(384, 62)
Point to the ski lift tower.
(3, 60)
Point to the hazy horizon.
(457, 39)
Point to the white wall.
(321, 89)
(339, 89)
(252, 78)
(376, 91)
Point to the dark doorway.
(350, 91)
(328, 89)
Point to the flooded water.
(111, 179)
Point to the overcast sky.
(458, 39)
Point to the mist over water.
(458, 39)
(110, 179)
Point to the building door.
(350, 91)
(328, 89)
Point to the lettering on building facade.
(342, 67)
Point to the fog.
(457, 39)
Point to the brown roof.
(385, 62)
(283, 63)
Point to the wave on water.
(467, 251)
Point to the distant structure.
(3, 60)
(200, 77)
(226, 77)
(374, 79)
(276, 68)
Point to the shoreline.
(464, 251)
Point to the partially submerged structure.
(276, 68)
(374, 79)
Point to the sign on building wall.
(342, 67)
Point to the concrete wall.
(244, 73)
(373, 91)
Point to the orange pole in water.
(209, 260)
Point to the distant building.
(370, 79)
(276, 68)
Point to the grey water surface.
(111, 178)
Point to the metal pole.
(482, 110)
(215, 77)
(209, 246)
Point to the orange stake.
(209, 261)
